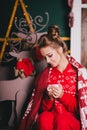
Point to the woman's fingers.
(55, 90)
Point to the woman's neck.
(63, 63)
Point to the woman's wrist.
(50, 97)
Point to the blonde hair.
(52, 38)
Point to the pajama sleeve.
(47, 104)
(70, 102)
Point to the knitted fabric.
(40, 86)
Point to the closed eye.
(50, 55)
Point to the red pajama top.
(68, 80)
(68, 100)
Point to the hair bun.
(53, 31)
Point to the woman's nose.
(48, 60)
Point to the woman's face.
(52, 56)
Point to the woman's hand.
(55, 91)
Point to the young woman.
(55, 102)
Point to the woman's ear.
(60, 50)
